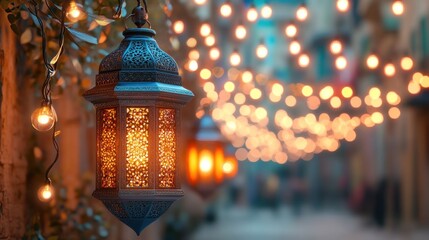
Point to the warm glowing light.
(178, 27)
(347, 92)
(194, 55)
(343, 5)
(210, 40)
(43, 118)
(307, 91)
(247, 77)
(398, 7)
(191, 42)
(74, 12)
(192, 65)
(294, 47)
(252, 14)
(393, 98)
(214, 54)
(407, 63)
(377, 117)
(45, 193)
(394, 113)
(389, 70)
(302, 13)
(205, 29)
(341, 63)
(374, 93)
(277, 89)
(291, 30)
(261, 51)
(424, 81)
(372, 61)
(326, 92)
(336, 47)
(200, 2)
(240, 32)
(228, 167)
(414, 87)
(266, 11)
(290, 101)
(255, 93)
(303, 60)
(235, 59)
(206, 161)
(335, 102)
(226, 9)
(205, 74)
(355, 102)
(229, 86)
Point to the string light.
(294, 47)
(303, 60)
(210, 40)
(343, 5)
(247, 77)
(214, 54)
(407, 63)
(252, 14)
(226, 9)
(302, 13)
(336, 47)
(372, 61)
(191, 42)
(205, 29)
(193, 65)
(389, 70)
(240, 32)
(341, 63)
(326, 92)
(200, 2)
(398, 7)
(178, 27)
(266, 11)
(45, 193)
(235, 58)
(347, 92)
(261, 50)
(74, 13)
(291, 30)
(43, 119)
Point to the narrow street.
(236, 224)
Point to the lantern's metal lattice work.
(138, 98)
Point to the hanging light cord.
(50, 72)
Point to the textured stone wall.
(13, 139)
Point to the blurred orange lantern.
(206, 158)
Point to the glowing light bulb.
(341, 63)
(210, 40)
(206, 164)
(226, 9)
(214, 54)
(200, 2)
(45, 193)
(74, 13)
(178, 26)
(205, 29)
(252, 14)
(303, 60)
(294, 47)
(235, 59)
(336, 47)
(261, 51)
(407, 63)
(266, 11)
(302, 13)
(398, 7)
(43, 118)
(227, 167)
(372, 61)
(193, 65)
(343, 5)
(389, 70)
(291, 30)
(240, 32)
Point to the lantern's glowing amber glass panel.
(107, 148)
(167, 147)
(137, 156)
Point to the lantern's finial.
(140, 14)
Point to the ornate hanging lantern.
(138, 98)
(206, 158)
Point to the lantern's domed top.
(139, 59)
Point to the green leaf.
(82, 36)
